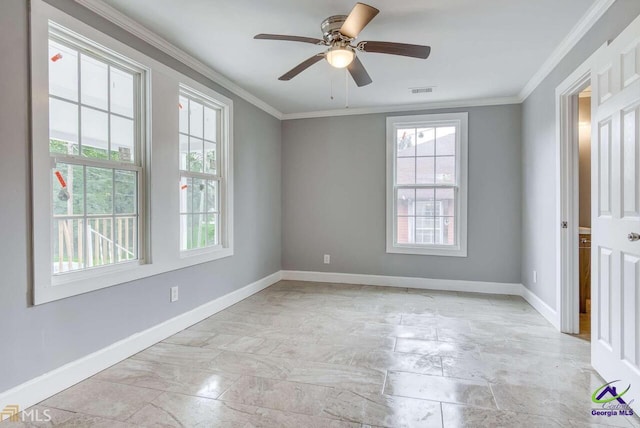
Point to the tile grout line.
(384, 382)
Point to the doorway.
(570, 94)
(584, 213)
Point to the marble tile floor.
(301, 354)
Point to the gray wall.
(539, 181)
(333, 176)
(38, 339)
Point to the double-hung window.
(95, 147)
(125, 185)
(202, 174)
(427, 184)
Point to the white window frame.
(223, 173)
(460, 121)
(63, 36)
(159, 187)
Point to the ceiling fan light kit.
(340, 56)
(338, 33)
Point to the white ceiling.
(480, 48)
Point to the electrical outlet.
(327, 259)
(535, 276)
(174, 294)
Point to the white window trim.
(159, 207)
(461, 121)
(224, 176)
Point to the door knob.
(633, 236)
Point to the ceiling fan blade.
(301, 67)
(358, 18)
(403, 49)
(289, 38)
(359, 73)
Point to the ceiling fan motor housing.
(331, 28)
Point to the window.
(95, 146)
(200, 172)
(109, 163)
(426, 184)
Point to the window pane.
(195, 119)
(405, 204)
(198, 231)
(94, 82)
(198, 193)
(183, 111)
(446, 144)
(210, 124)
(212, 229)
(210, 158)
(68, 245)
(122, 139)
(406, 142)
(63, 125)
(195, 154)
(446, 141)
(446, 170)
(121, 92)
(212, 196)
(405, 230)
(184, 151)
(126, 235)
(424, 230)
(63, 71)
(445, 226)
(446, 202)
(425, 172)
(126, 192)
(425, 202)
(99, 187)
(95, 135)
(68, 200)
(426, 141)
(405, 171)
(100, 244)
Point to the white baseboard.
(42, 387)
(539, 305)
(404, 281)
(430, 284)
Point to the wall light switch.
(535, 276)
(174, 294)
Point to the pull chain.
(346, 88)
(331, 86)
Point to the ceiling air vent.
(425, 90)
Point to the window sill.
(428, 251)
(88, 281)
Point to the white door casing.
(615, 332)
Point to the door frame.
(567, 193)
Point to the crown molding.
(405, 107)
(106, 11)
(589, 19)
(123, 21)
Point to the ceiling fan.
(339, 34)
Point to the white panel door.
(615, 341)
